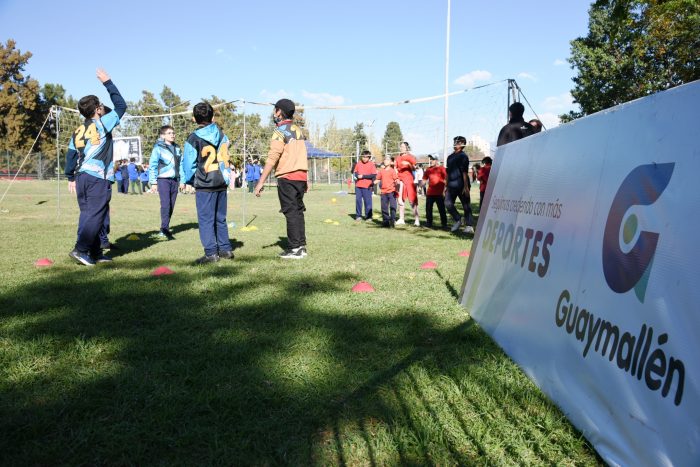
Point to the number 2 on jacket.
(213, 157)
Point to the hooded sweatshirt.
(205, 159)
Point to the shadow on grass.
(146, 239)
(186, 369)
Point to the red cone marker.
(464, 253)
(43, 262)
(162, 271)
(363, 287)
(429, 265)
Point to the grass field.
(256, 360)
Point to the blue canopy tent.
(314, 153)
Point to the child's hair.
(487, 160)
(87, 105)
(165, 128)
(408, 146)
(366, 153)
(203, 113)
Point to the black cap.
(432, 158)
(460, 139)
(286, 106)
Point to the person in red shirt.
(436, 176)
(365, 172)
(405, 163)
(389, 179)
(483, 177)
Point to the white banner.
(585, 269)
(127, 147)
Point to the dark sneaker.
(226, 254)
(82, 258)
(294, 253)
(102, 258)
(167, 234)
(206, 259)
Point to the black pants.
(429, 210)
(94, 195)
(451, 195)
(388, 208)
(291, 195)
(167, 191)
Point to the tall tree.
(392, 138)
(172, 101)
(359, 135)
(634, 48)
(21, 112)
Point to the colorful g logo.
(628, 265)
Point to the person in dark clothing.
(205, 165)
(90, 170)
(124, 170)
(516, 128)
(458, 186)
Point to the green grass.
(256, 360)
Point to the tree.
(634, 48)
(359, 136)
(172, 101)
(55, 94)
(21, 110)
(474, 152)
(392, 138)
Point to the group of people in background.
(131, 176)
(400, 180)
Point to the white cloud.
(549, 119)
(223, 53)
(561, 103)
(470, 79)
(559, 62)
(525, 75)
(322, 98)
(274, 96)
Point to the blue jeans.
(93, 195)
(211, 215)
(363, 195)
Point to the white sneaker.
(416, 223)
(400, 222)
(468, 229)
(456, 226)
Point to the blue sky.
(342, 53)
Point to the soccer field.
(256, 360)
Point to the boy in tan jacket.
(287, 156)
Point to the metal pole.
(508, 103)
(245, 190)
(447, 82)
(58, 163)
